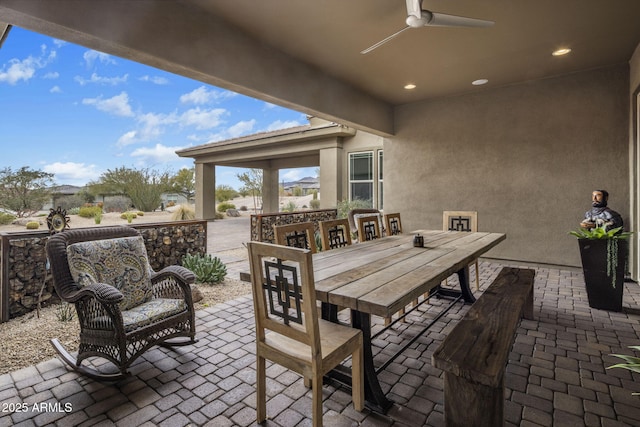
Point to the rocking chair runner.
(123, 306)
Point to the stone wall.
(23, 261)
(262, 224)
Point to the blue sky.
(76, 112)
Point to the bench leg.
(470, 404)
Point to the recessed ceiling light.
(409, 86)
(561, 52)
(480, 82)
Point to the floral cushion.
(150, 312)
(121, 263)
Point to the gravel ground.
(25, 340)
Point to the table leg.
(463, 278)
(465, 290)
(374, 397)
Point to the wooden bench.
(475, 353)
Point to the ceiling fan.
(418, 17)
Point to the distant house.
(59, 192)
(308, 185)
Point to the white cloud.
(154, 79)
(51, 75)
(16, 70)
(118, 105)
(202, 95)
(91, 56)
(241, 128)
(72, 173)
(55, 89)
(95, 78)
(157, 154)
(128, 138)
(202, 119)
(279, 124)
(59, 43)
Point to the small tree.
(144, 187)
(184, 183)
(224, 193)
(25, 191)
(252, 181)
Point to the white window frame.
(361, 181)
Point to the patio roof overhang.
(286, 148)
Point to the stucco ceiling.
(306, 54)
(330, 34)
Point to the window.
(361, 176)
(380, 179)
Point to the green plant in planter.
(612, 236)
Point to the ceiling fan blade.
(381, 42)
(435, 19)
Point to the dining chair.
(393, 224)
(368, 227)
(353, 215)
(335, 233)
(462, 221)
(298, 235)
(289, 331)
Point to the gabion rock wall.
(262, 224)
(23, 261)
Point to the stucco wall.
(526, 157)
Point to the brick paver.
(556, 374)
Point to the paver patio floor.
(556, 374)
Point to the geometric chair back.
(335, 233)
(298, 235)
(462, 221)
(369, 228)
(393, 224)
(288, 329)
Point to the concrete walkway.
(556, 375)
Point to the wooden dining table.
(382, 276)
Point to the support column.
(331, 168)
(205, 190)
(270, 191)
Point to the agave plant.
(632, 362)
(207, 269)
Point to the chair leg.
(477, 276)
(317, 400)
(357, 379)
(261, 390)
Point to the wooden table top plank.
(329, 279)
(385, 300)
(364, 284)
(324, 268)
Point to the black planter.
(604, 289)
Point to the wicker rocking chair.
(123, 306)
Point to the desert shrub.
(129, 216)
(219, 215)
(207, 269)
(224, 193)
(116, 204)
(222, 207)
(297, 191)
(33, 225)
(315, 204)
(140, 213)
(6, 218)
(243, 208)
(171, 204)
(289, 207)
(97, 218)
(183, 213)
(89, 211)
(344, 206)
(314, 193)
(69, 202)
(73, 211)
